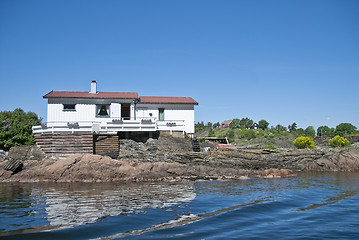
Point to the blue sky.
(282, 61)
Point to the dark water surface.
(311, 206)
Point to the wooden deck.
(64, 144)
(107, 145)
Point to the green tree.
(246, 123)
(344, 129)
(15, 128)
(235, 123)
(199, 126)
(309, 131)
(325, 131)
(299, 132)
(280, 128)
(292, 127)
(263, 124)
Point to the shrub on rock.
(304, 142)
(339, 141)
(15, 128)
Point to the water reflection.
(68, 205)
(253, 202)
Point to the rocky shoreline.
(171, 159)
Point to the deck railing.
(110, 126)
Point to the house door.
(125, 111)
(161, 114)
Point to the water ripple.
(312, 206)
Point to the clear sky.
(282, 61)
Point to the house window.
(161, 114)
(103, 110)
(69, 107)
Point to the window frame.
(161, 114)
(98, 109)
(66, 109)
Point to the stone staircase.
(195, 145)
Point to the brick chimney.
(93, 87)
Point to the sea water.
(310, 206)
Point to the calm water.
(311, 206)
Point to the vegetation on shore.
(247, 132)
(15, 128)
(304, 142)
(338, 141)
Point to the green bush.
(211, 133)
(15, 128)
(339, 141)
(271, 147)
(231, 135)
(304, 142)
(247, 134)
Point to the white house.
(113, 112)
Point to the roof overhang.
(168, 100)
(87, 95)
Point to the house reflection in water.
(70, 205)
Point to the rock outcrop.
(165, 150)
(25, 152)
(3, 155)
(173, 159)
(96, 168)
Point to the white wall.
(186, 114)
(171, 112)
(86, 111)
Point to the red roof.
(187, 100)
(121, 95)
(75, 94)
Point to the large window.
(69, 107)
(103, 110)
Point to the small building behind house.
(226, 123)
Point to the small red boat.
(227, 146)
